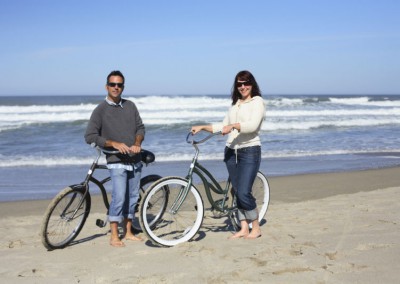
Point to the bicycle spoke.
(65, 218)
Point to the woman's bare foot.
(238, 235)
(253, 235)
(255, 231)
(244, 231)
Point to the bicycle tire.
(172, 228)
(58, 230)
(145, 182)
(260, 191)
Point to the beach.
(340, 227)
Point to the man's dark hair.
(116, 73)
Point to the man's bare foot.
(133, 238)
(117, 243)
(238, 235)
(253, 235)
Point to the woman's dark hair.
(116, 73)
(244, 76)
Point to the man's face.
(114, 87)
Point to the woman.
(243, 148)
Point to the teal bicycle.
(183, 209)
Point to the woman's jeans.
(125, 193)
(242, 168)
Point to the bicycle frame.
(210, 184)
(90, 178)
(85, 185)
(100, 183)
(208, 180)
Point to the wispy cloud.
(330, 38)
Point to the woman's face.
(244, 88)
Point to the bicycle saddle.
(147, 156)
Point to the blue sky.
(197, 47)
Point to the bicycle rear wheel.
(260, 191)
(145, 182)
(65, 217)
(182, 216)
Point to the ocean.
(42, 148)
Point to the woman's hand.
(228, 128)
(196, 129)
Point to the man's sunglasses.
(239, 84)
(120, 85)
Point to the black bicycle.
(67, 213)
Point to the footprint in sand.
(258, 262)
(292, 270)
(32, 273)
(364, 247)
(15, 244)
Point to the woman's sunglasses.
(246, 83)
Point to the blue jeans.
(125, 193)
(242, 168)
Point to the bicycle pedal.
(100, 223)
(217, 213)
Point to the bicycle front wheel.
(183, 212)
(65, 217)
(260, 191)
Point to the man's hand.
(135, 149)
(121, 147)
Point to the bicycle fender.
(78, 186)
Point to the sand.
(321, 228)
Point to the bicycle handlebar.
(193, 142)
(112, 152)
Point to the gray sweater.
(120, 124)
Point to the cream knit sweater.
(250, 115)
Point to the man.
(116, 123)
